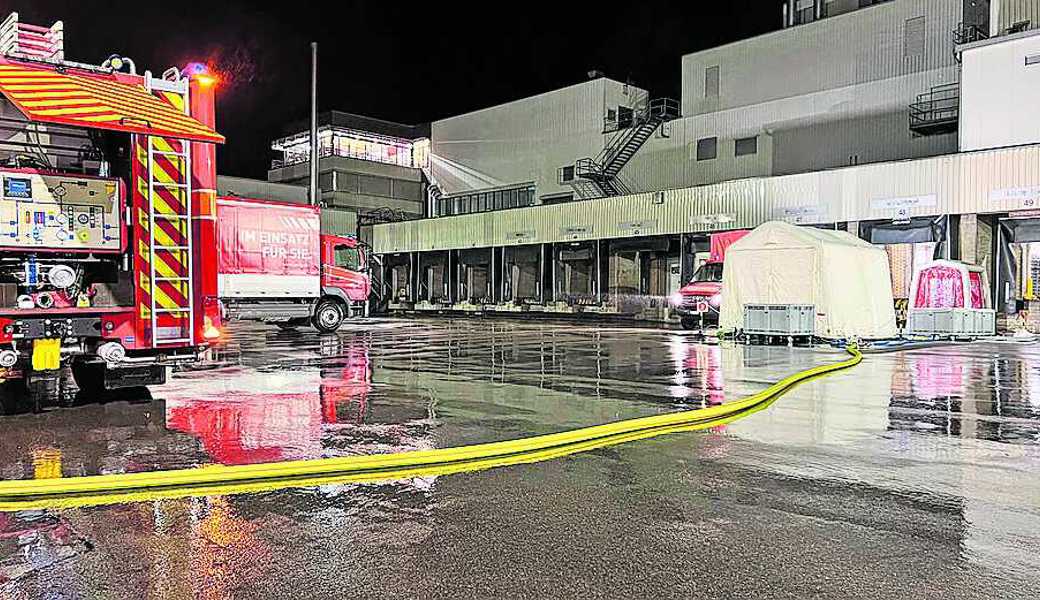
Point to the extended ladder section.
(170, 241)
(601, 176)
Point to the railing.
(665, 109)
(1018, 27)
(586, 168)
(967, 33)
(936, 111)
(32, 41)
(645, 119)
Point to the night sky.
(399, 61)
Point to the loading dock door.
(909, 245)
(1018, 265)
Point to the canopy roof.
(119, 102)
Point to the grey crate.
(779, 319)
(958, 322)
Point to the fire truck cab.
(107, 196)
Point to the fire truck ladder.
(182, 312)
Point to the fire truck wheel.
(328, 316)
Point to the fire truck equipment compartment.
(55, 212)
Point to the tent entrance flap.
(112, 101)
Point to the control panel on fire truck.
(56, 212)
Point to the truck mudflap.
(117, 378)
(97, 377)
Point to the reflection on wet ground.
(918, 473)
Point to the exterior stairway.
(601, 176)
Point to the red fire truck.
(276, 266)
(699, 301)
(107, 206)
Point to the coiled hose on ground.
(219, 479)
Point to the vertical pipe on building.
(314, 124)
(947, 251)
(784, 15)
(411, 273)
(418, 276)
(492, 290)
(552, 264)
(682, 259)
(451, 289)
(382, 278)
(541, 274)
(599, 296)
(998, 283)
(817, 10)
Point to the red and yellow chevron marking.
(168, 201)
(98, 101)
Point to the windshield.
(708, 272)
(348, 258)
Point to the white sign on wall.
(1022, 197)
(800, 214)
(520, 236)
(902, 206)
(575, 231)
(709, 222)
(638, 227)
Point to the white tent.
(844, 277)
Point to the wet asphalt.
(916, 474)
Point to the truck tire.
(328, 316)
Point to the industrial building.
(908, 122)
(365, 165)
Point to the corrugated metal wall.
(338, 222)
(825, 95)
(526, 140)
(980, 182)
(1016, 11)
(834, 53)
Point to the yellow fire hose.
(219, 479)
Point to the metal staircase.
(599, 177)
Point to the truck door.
(347, 272)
